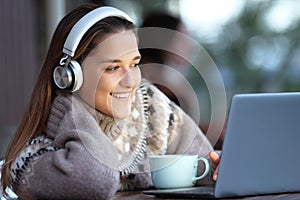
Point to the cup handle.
(206, 163)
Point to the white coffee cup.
(176, 171)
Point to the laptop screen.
(260, 153)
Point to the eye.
(136, 65)
(112, 68)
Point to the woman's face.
(111, 74)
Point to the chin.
(121, 114)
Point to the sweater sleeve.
(84, 165)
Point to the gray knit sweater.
(84, 154)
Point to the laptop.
(260, 153)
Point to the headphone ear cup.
(62, 77)
(68, 78)
(77, 74)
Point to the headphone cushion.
(75, 67)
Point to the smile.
(121, 96)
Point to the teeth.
(121, 95)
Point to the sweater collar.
(129, 134)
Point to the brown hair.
(36, 115)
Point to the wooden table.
(138, 195)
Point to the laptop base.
(179, 193)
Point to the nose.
(128, 79)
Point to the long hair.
(35, 118)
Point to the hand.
(215, 158)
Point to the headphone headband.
(68, 75)
(86, 22)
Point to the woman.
(94, 141)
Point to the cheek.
(106, 83)
(105, 86)
(137, 76)
(90, 86)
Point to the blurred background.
(254, 44)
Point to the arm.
(83, 167)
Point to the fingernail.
(215, 177)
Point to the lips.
(124, 96)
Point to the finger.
(215, 158)
(215, 176)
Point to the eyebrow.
(118, 60)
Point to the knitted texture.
(91, 155)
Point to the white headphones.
(68, 76)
